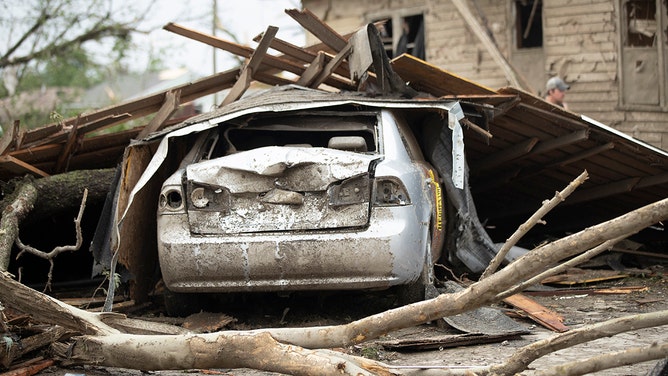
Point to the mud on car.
(314, 198)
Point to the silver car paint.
(372, 257)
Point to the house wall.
(580, 43)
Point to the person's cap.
(556, 83)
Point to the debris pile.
(519, 150)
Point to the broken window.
(641, 23)
(529, 23)
(403, 34)
(644, 52)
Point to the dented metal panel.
(289, 168)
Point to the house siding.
(580, 43)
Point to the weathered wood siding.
(580, 43)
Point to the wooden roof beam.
(524, 173)
(168, 108)
(318, 28)
(304, 55)
(560, 142)
(503, 156)
(603, 190)
(246, 52)
(251, 67)
(143, 106)
(332, 65)
(313, 70)
(17, 167)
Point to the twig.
(606, 361)
(57, 250)
(535, 218)
(527, 354)
(561, 267)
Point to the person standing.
(556, 91)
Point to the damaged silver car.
(313, 199)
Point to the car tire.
(410, 293)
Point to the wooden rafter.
(269, 61)
(318, 28)
(502, 156)
(168, 108)
(252, 66)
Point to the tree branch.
(520, 360)
(57, 250)
(22, 203)
(535, 218)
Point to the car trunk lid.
(279, 189)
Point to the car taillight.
(390, 192)
(171, 199)
(353, 190)
(209, 198)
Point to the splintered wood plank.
(252, 66)
(268, 61)
(67, 150)
(307, 54)
(434, 80)
(9, 139)
(137, 108)
(332, 65)
(576, 276)
(445, 341)
(537, 312)
(41, 133)
(313, 70)
(318, 28)
(15, 167)
(169, 107)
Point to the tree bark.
(520, 360)
(21, 203)
(33, 200)
(283, 347)
(62, 192)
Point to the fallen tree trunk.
(21, 204)
(106, 345)
(38, 199)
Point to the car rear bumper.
(380, 256)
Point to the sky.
(244, 19)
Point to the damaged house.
(613, 53)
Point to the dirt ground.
(578, 306)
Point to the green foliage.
(73, 68)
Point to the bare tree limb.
(607, 361)
(535, 218)
(22, 203)
(43, 17)
(524, 356)
(562, 267)
(270, 349)
(57, 250)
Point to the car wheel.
(180, 304)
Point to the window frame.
(396, 16)
(661, 49)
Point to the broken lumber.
(538, 312)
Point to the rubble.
(519, 149)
